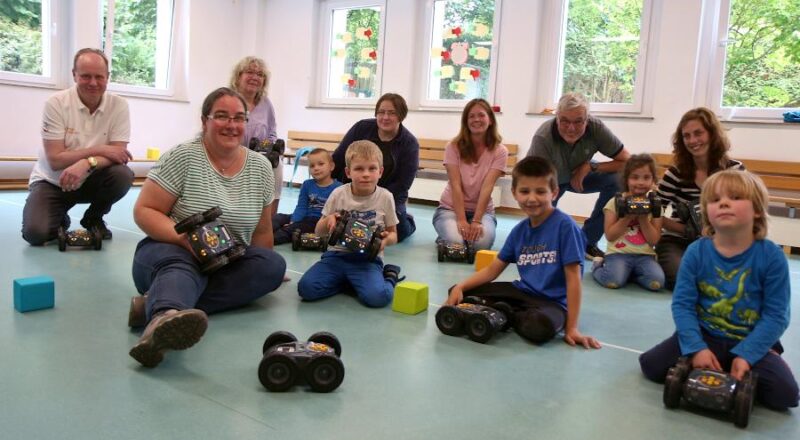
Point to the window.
(601, 52)
(755, 48)
(28, 44)
(137, 38)
(461, 42)
(351, 49)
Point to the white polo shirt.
(66, 118)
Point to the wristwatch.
(92, 163)
(593, 166)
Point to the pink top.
(472, 175)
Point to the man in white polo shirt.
(85, 133)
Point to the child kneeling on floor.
(339, 269)
(313, 194)
(732, 295)
(548, 249)
(631, 237)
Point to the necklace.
(224, 170)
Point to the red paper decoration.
(368, 33)
(475, 73)
(373, 55)
(457, 31)
(351, 82)
(445, 55)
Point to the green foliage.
(133, 59)
(763, 54)
(27, 13)
(20, 46)
(602, 49)
(366, 18)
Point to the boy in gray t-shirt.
(372, 282)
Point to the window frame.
(324, 23)
(52, 20)
(425, 43)
(713, 49)
(171, 56)
(551, 80)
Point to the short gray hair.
(571, 101)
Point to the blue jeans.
(171, 277)
(607, 184)
(777, 387)
(337, 272)
(446, 225)
(406, 226)
(617, 269)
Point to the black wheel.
(189, 223)
(479, 328)
(236, 252)
(743, 400)
(619, 204)
(673, 388)
(296, 240)
(324, 374)
(449, 320)
(277, 372)
(323, 245)
(328, 339)
(338, 230)
(212, 214)
(440, 252)
(504, 308)
(97, 238)
(469, 252)
(215, 264)
(375, 243)
(62, 239)
(655, 204)
(277, 338)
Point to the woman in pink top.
(474, 160)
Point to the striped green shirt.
(186, 172)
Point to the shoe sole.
(136, 314)
(177, 332)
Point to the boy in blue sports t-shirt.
(548, 249)
(313, 194)
(732, 295)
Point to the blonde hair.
(737, 183)
(365, 150)
(243, 65)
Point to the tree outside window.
(353, 53)
(21, 39)
(461, 44)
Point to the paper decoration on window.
(448, 71)
(368, 53)
(464, 74)
(363, 72)
(363, 33)
(436, 52)
(481, 53)
(457, 31)
(480, 30)
(347, 38)
(447, 34)
(475, 73)
(345, 78)
(458, 87)
(338, 53)
(459, 52)
(445, 55)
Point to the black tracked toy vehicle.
(689, 214)
(287, 362)
(308, 241)
(89, 238)
(638, 205)
(270, 150)
(354, 234)
(210, 239)
(475, 318)
(448, 251)
(711, 390)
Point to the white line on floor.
(8, 202)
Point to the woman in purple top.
(474, 160)
(250, 78)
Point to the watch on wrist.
(92, 163)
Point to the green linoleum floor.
(66, 373)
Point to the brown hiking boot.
(170, 330)
(136, 315)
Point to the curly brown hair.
(717, 149)
(466, 149)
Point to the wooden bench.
(431, 151)
(20, 182)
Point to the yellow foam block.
(153, 153)
(410, 298)
(484, 258)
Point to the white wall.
(283, 32)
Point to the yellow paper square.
(346, 77)
(436, 52)
(480, 30)
(364, 72)
(464, 74)
(347, 37)
(365, 53)
(482, 53)
(447, 71)
(461, 87)
(339, 53)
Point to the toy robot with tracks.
(308, 241)
(638, 205)
(210, 239)
(448, 251)
(711, 389)
(354, 234)
(88, 238)
(689, 214)
(270, 150)
(474, 317)
(287, 362)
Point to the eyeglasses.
(223, 118)
(255, 73)
(390, 113)
(566, 122)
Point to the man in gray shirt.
(569, 141)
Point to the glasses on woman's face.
(224, 118)
(257, 73)
(389, 113)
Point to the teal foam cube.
(34, 293)
(410, 298)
